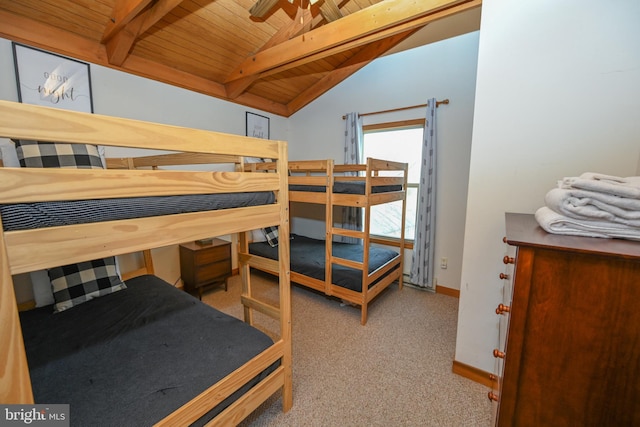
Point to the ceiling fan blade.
(262, 7)
(330, 11)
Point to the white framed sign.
(257, 126)
(51, 80)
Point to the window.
(400, 142)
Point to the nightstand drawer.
(212, 271)
(207, 255)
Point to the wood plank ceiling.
(278, 60)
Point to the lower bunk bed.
(140, 352)
(308, 264)
(133, 357)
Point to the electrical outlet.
(443, 263)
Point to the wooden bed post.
(285, 278)
(402, 226)
(328, 233)
(15, 382)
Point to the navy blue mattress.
(132, 357)
(23, 216)
(308, 258)
(346, 187)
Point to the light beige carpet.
(394, 371)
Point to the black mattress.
(346, 187)
(23, 216)
(308, 258)
(132, 357)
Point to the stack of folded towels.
(593, 205)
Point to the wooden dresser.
(203, 266)
(572, 350)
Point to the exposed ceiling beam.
(33, 33)
(123, 12)
(350, 66)
(262, 7)
(301, 21)
(121, 41)
(375, 37)
(364, 23)
(330, 11)
(120, 44)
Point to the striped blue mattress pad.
(24, 216)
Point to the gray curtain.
(353, 140)
(422, 262)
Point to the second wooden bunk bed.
(354, 272)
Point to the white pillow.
(42, 290)
(8, 152)
(258, 236)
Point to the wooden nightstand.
(204, 266)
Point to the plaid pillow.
(36, 154)
(271, 233)
(77, 283)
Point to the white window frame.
(393, 126)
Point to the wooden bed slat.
(215, 394)
(31, 122)
(172, 159)
(241, 408)
(42, 185)
(31, 250)
(260, 306)
(263, 264)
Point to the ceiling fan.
(328, 8)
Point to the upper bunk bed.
(356, 272)
(136, 333)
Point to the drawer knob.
(492, 396)
(493, 377)
(508, 260)
(498, 354)
(504, 276)
(503, 309)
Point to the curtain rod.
(444, 101)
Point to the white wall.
(442, 70)
(124, 95)
(557, 94)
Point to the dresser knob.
(492, 396)
(504, 276)
(498, 354)
(508, 260)
(504, 239)
(503, 309)
(493, 377)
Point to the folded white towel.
(584, 204)
(553, 222)
(618, 186)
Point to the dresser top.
(523, 230)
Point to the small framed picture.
(52, 80)
(257, 126)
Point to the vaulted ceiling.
(272, 55)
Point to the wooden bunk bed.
(170, 318)
(355, 273)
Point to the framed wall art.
(51, 80)
(257, 126)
